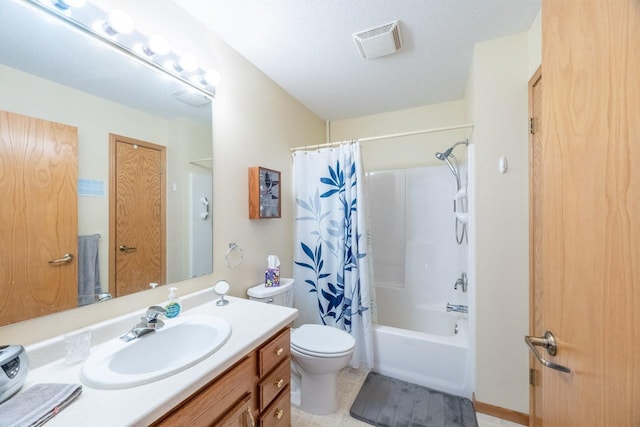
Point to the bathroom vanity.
(244, 383)
(255, 391)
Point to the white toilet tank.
(279, 295)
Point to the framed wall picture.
(264, 193)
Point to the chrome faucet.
(462, 281)
(148, 323)
(458, 308)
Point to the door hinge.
(531, 126)
(532, 377)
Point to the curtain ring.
(234, 255)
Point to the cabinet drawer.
(274, 383)
(279, 412)
(273, 353)
(215, 399)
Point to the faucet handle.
(153, 312)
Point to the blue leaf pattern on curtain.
(329, 236)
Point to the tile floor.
(349, 382)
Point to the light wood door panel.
(38, 217)
(590, 212)
(138, 214)
(535, 231)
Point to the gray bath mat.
(388, 402)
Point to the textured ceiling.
(306, 46)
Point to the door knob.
(548, 342)
(65, 258)
(124, 248)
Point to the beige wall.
(496, 101)
(408, 151)
(255, 122)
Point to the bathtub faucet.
(458, 308)
(462, 282)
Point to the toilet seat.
(321, 341)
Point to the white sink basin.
(181, 343)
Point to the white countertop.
(251, 324)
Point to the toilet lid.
(321, 339)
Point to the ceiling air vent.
(379, 41)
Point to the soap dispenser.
(173, 306)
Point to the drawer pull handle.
(253, 422)
(279, 413)
(280, 383)
(279, 351)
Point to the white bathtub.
(436, 357)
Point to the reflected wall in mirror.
(53, 72)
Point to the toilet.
(318, 353)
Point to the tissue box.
(272, 277)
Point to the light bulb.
(212, 77)
(157, 45)
(119, 23)
(187, 63)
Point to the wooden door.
(137, 215)
(589, 241)
(535, 231)
(38, 217)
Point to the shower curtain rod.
(379, 137)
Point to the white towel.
(37, 405)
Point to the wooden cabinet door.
(38, 217)
(224, 402)
(241, 415)
(137, 215)
(589, 241)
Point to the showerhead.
(447, 152)
(443, 156)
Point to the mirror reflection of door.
(38, 217)
(137, 215)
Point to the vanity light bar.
(152, 51)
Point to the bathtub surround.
(331, 262)
(388, 402)
(411, 307)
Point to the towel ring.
(234, 255)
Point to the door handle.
(548, 342)
(124, 248)
(65, 258)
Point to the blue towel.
(37, 405)
(88, 269)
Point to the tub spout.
(458, 308)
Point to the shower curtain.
(331, 256)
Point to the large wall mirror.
(54, 72)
